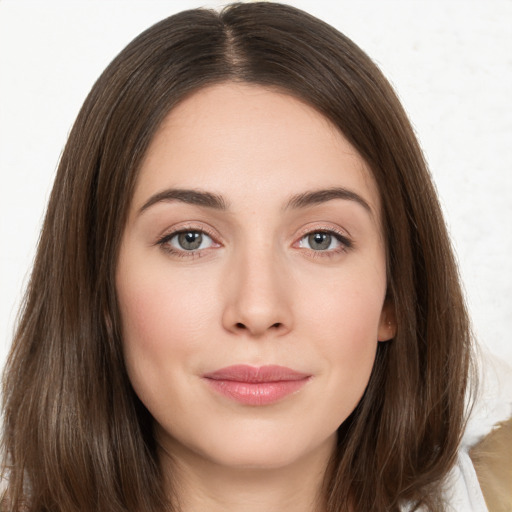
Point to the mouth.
(250, 385)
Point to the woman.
(244, 295)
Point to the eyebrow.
(188, 196)
(217, 202)
(322, 196)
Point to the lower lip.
(257, 393)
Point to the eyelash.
(345, 243)
(163, 242)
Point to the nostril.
(240, 325)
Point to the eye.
(188, 240)
(323, 241)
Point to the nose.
(257, 296)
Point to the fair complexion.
(253, 238)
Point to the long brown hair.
(76, 437)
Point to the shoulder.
(490, 431)
(492, 460)
(480, 480)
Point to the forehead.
(251, 143)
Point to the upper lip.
(255, 374)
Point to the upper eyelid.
(175, 230)
(324, 228)
(335, 234)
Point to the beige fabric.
(492, 458)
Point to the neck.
(202, 485)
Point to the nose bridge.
(258, 300)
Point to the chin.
(264, 452)
(257, 458)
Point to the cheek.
(163, 324)
(159, 310)
(346, 308)
(344, 322)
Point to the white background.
(450, 62)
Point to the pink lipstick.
(252, 385)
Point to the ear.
(387, 322)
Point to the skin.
(257, 292)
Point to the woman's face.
(251, 279)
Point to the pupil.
(320, 241)
(190, 240)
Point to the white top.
(493, 405)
